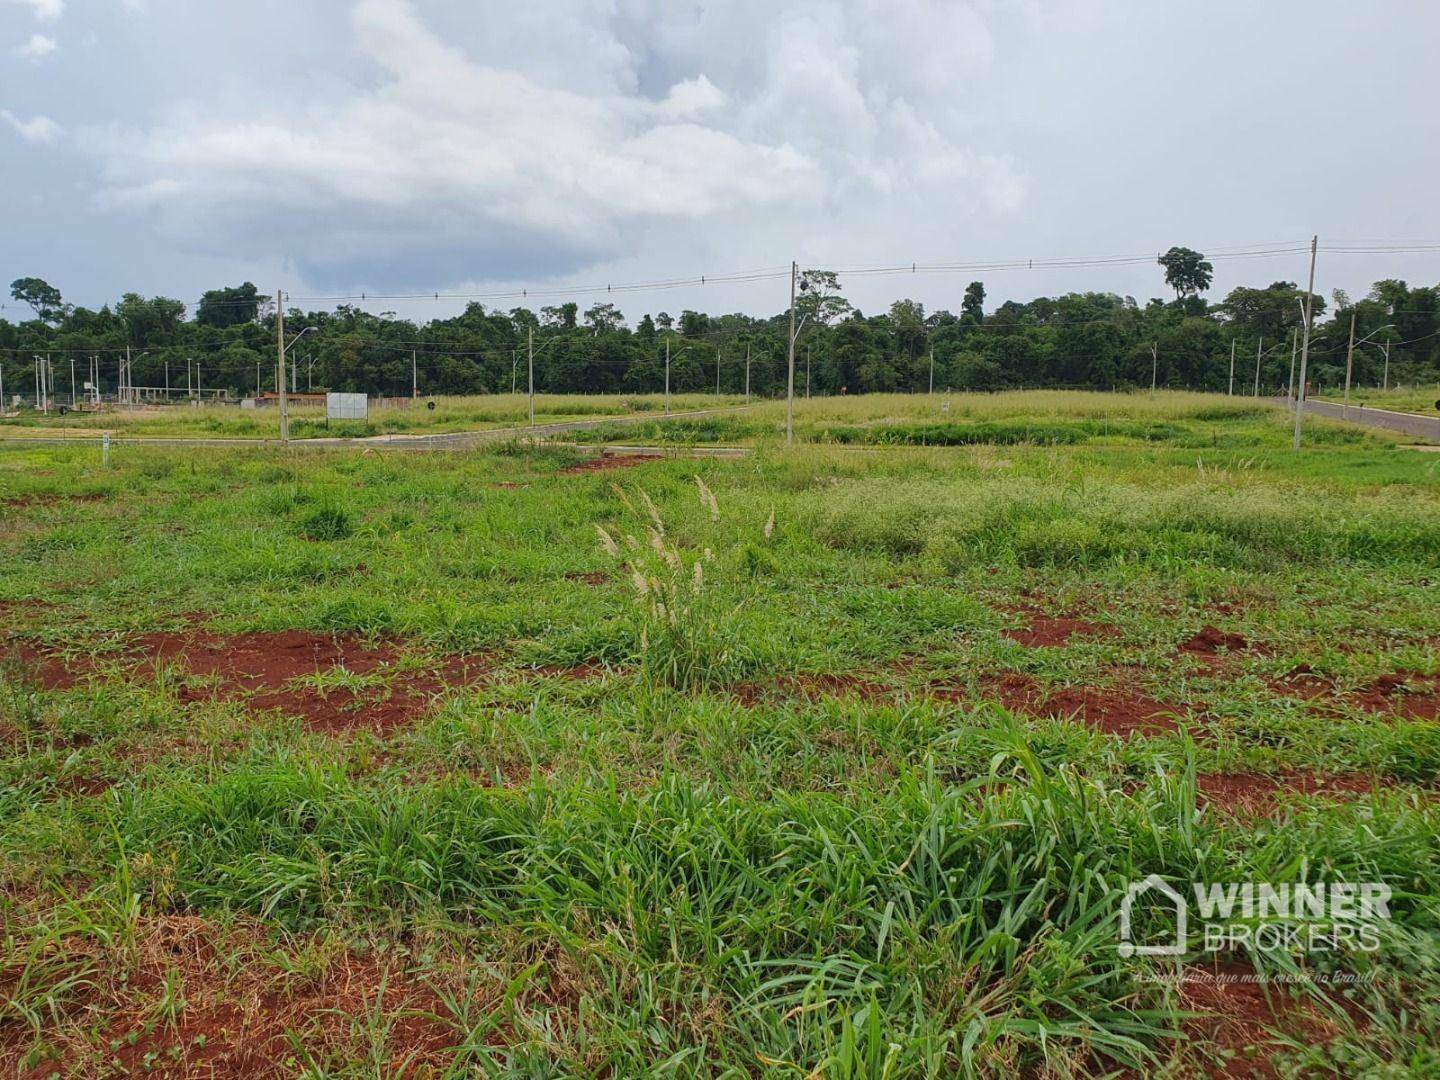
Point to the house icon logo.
(1162, 892)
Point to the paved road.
(1424, 427)
(454, 440)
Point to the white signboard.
(347, 407)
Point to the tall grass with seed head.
(683, 597)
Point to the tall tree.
(44, 299)
(972, 307)
(1186, 271)
(229, 306)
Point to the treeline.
(1087, 340)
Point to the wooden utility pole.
(790, 380)
(279, 368)
(1305, 345)
(1294, 346)
(1350, 358)
(1231, 392)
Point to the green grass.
(451, 413)
(782, 824)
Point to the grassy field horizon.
(833, 761)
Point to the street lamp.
(1350, 353)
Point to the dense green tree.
(228, 307)
(1186, 271)
(42, 297)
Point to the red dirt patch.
(1257, 794)
(237, 1024)
(1237, 1017)
(263, 668)
(50, 498)
(1047, 631)
(1210, 641)
(1405, 694)
(1115, 710)
(606, 463)
(594, 578)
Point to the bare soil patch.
(1238, 1017)
(1113, 710)
(50, 498)
(1406, 694)
(1209, 641)
(233, 1022)
(268, 671)
(1051, 631)
(1257, 794)
(606, 463)
(593, 578)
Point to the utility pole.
(1154, 365)
(1387, 367)
(72, 384)
(1305, 345)
(747, 374)
(1257, 366)
(932, 370)
(279, 367)
(530, 364)
(717, 371)
(414, 376)
(667, 376)
(1350, 358)
(790, 382)
(125, 378)
(1231, 392)
(807, 372)
(1294, 346)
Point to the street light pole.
(790, 381)
(280, 366)
(1350, 359)
(1305, 345)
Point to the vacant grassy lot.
(834, 762)
(308, 421)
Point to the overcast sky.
(334, 146)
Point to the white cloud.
(37, 48)
(38, 129)
(44, 10)
(507, 164)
